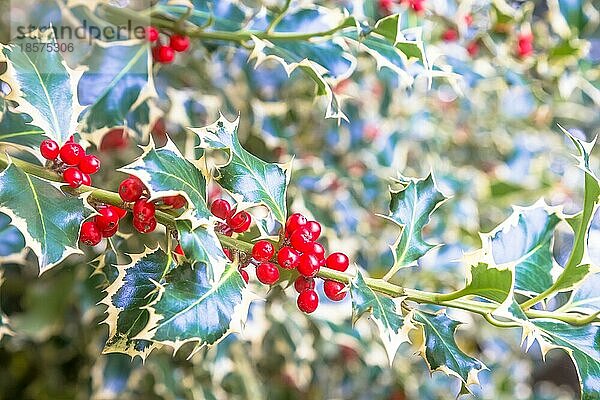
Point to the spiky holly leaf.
(577, 266)
(12, 242)
(581, 343)
(165, 172)
(118, 79)
(384, 310)
(586, 297)
(441, 352)
(47, 218)
(132, 290)
(42, 85)
(191, 309)
(411, 208)
(489, 282)
(257, 181)
(525, 239)
(16, 128)
(201, 245)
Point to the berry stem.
(376, 284)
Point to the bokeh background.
(489, 135)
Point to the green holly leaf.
(165, 172)
(201, 245)
(411, 208)
(47, 218)
(580, 342)
(15, 128)
(525, 240)
(384, 311)
(132, 290)
(43, 86)
(255, 180)
(191, 309)
(12, 243)
(489, 282)
(118, 79)
(441, 352)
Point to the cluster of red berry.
(525, 45)
(163, 53)
(71, 161)
(103, 225)
(417, 6)
(233, 221)
(301, 251)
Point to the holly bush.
(366, 153)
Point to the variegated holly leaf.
(525, 240)
(12, 243)
(165, 172)
(118, 79)
(385, 312)
(43, 86)
(255, 180)
(16, 128)
(191, 309)
(577, 266)
(201, 245)
(489, 282)
(581, 343)
(411, 208)
(47, 218)
(132, 290)
(586, 297)
(441, 352)
(212, 14)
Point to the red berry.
(288, 258)
(301, 240)
(164, 54)
(450, 35)
(175, 201)
(89, 164)
(294, 222)
(90, 233)
(263, 250)
(308, 301)
(86, 180)
(221, 208)
(469, 19)
(71, 153)
(240, 222)
(417, 5)
(334, 290)
(144, 226)
(267, 273)
(473, 48)
(73, 177)
(337, 261)
(121, 212)
(49, 149)
(314, 228)
(114, 139)
(308, 265)
(107, 219)
(178, 250)
(228, 254)
(244, 275)
(110, 232)
(152, 34)
(131, 189)
(179, 42)
(525, 44)
(318, 251)
(386, 6)
(143, 210)
(303, 283)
